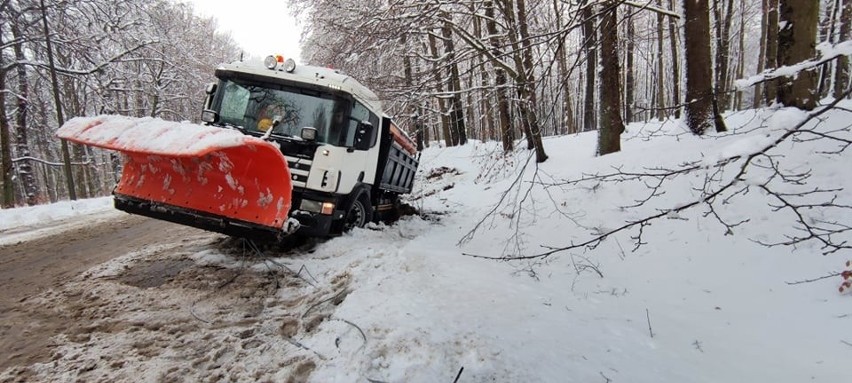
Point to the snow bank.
(47, 214)
(697, 302)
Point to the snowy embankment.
(31, 222)
(701, 300)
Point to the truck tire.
(359, 213)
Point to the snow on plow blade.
(212, 178)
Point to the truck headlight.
(325, 208)
(290, 65)
(270, 62)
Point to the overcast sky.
(261, 27)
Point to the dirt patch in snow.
(32, 269)
(196, 310)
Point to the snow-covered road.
(31, 264)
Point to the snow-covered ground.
(696, 302)
(31, 222)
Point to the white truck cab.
(348, 161)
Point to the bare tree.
(796, 43)
(8, 198)
(525, 78)
(761, 56)
(629, 76)
(507, 135)
(590, 43)
(439, 88)
(25, 169)
(661, 90)
(456, 108)
(97, 50)
(723, 33)
(563, 75)
(699, 89)
(740, 69)
(771, 11)
(609, 136)
(673, 33)
(841, 76)
(828, 33)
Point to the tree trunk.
(410, 105)
(771, 87)
(526, 90)
(673, 33)
(82, 174)
(825, 73)
(841, 76)
(485, 101)
(564, 82)
(8, 193)
(609, 137)
(8, 198)
(796, 43)
(661, 90)
(723, 32)
(761, 57)
(519, 76)
(629, 80)
(699, 87)
(25, 168)
(427, 136)
(60, 118)
(738, 102)
(590, 43)
(507, 134)
(439, 87)
(456, 108)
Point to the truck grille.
(299, 170)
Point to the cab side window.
(360, 113)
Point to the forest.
(513, 71)
(61, 59)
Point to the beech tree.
(841, 77)
(797, 43)
(771, 55)
(699, 88)
(590, 42)
(609, 137)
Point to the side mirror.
(363, 135)
(309, 134)
(209, 116)
(210, 90)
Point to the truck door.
(355, 162)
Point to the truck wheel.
(358, 215)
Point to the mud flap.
(203, 169)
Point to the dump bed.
(402, 160)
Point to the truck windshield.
(256, 107)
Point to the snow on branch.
(652, 8)
(716, 192)
(46, 162)
(96, 68)
(827, 51)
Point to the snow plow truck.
(283, 149)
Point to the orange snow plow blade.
(212, 178)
